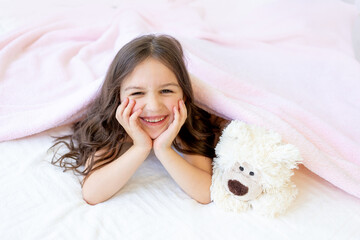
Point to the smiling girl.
(147, 103)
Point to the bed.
(40, 201)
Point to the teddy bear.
(252, 170)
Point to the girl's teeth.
(154, 120)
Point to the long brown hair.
(99, 129)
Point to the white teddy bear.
(253, 168)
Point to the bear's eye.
(241, 168)
(251, 173)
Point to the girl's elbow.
(205, 200)
(89, 199)
(90, 202)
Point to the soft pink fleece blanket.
(288, 66)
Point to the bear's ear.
(235, 130)
(278, 166)
(233, 137)
(287, 155)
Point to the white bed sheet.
(39, 201)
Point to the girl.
(147, 103)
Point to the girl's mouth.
(154, 121)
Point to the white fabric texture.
(40, 201)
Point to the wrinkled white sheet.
(39, 201)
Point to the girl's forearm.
(106, 181)
(194, 181)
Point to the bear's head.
(253, 168)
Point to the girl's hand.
(165, 139)
(131, 124)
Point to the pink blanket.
(287, 65)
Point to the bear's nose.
(237, 188)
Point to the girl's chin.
(154, 135)
(155, 132)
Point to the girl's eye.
(166, 91)
(136, 93)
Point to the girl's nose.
(153, 103)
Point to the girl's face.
(155, 89)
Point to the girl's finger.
(122, 105)
(128, 109)
(176, 115)
(133, 118)
(120, 109)
(183, 111)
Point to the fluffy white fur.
(271, 162)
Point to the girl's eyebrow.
(131, 87)
(162, 86)
(169, 84)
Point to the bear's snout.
(237, 188)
